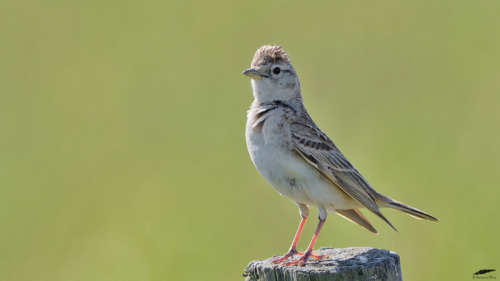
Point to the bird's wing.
(321, 152)
(356, 216)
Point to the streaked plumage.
(297, 158)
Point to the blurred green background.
(122, 150)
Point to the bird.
(298, 160)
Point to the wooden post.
(342, 264)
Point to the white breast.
(272, 152)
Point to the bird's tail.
(414, 212)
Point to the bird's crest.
(269, 54)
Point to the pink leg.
(309, 254)
(293, 248)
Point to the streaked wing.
(322, 153)
(356, 216)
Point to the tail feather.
(357, 217)
(414, 212)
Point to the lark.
(298, 160)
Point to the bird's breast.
(271, 150)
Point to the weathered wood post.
(342, 264)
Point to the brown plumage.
(269, 54)
(298, 159)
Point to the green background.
(122, 149)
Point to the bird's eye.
(276, 70)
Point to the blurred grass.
(122, 153)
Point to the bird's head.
(273, 77)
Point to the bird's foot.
(303, 259)
(290, 254)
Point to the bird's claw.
(301, 261)
(290, 254)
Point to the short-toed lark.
(298, 159)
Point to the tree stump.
(342, 264)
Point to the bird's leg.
(304, 213)
(309, 254)
(293, 247)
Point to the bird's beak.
(253, 73)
